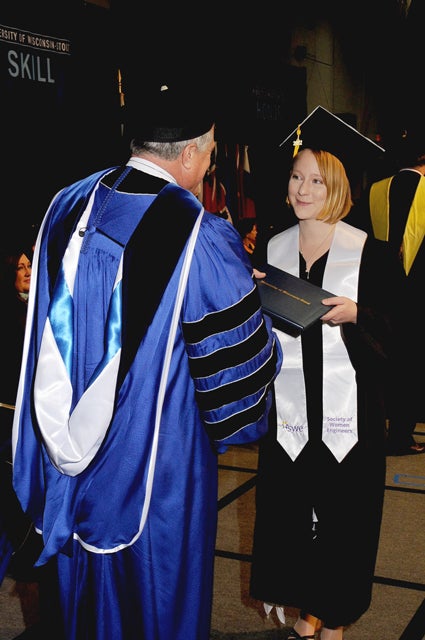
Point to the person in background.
(15, 282)
(19, 543)
(15, 278)
(148, 355)
(393, 210)
(247, 228)
(323, 459)
(213, 192)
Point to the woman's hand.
(343, 310)
(258, 274)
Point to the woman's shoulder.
(277, 237)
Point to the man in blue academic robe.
(146, 355)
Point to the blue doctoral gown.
(132, 518)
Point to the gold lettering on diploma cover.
(287, 293)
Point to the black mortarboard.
(328, 132)
(168, 113)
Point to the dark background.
(53, 134)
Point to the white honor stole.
(341, 276)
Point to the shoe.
(294, 635)
(411, 450)
(417, 448)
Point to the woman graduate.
(321, 474)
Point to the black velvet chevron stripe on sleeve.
(222, 320)
(237, 421)
(234, 391)
(231, 356)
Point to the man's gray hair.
(170, 150)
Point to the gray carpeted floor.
(398, 605)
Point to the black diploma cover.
(292, 303)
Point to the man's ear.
(188, 155)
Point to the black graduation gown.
(329, 572)
(405, 398)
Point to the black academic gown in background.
(405, 399)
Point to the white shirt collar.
(151, 168)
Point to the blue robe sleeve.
(234, 355)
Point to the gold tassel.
(297, 143)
